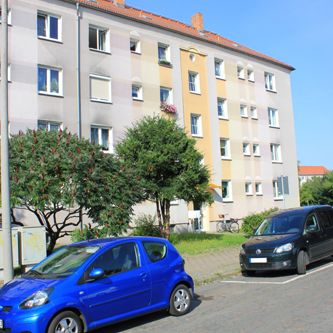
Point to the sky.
(298, 32)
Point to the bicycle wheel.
(219, 226)
(234, 227)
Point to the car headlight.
(39, 298)
(284, 248)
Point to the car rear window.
(156, 251)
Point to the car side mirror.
(95, 274)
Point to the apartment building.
(129, 63)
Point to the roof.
(148, 18)
(312, 170)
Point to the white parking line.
(280, 282)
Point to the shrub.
(146, 225)
(88, 232)
(251, 222)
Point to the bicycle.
(227, 225)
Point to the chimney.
(119, 3)
(197, 21)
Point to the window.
(273, 117)
(9, 16)
(166, 95)
(226, 190)
(250, 74)
(48, 125)
(270, 81)
(276, 152)
(135, 46)
(99, 39)
(277, 193)
(48, 26)
(243, 110)
(193, 81)
(137, 93)
(49, 80)
(100, 88)
(246, 149)
(155, 251)
(248, 188)
(102, 136)
(256, 149)
(225, 148)
(240, 72)
(164, 54)
(258, 186)
(196, 129)
(222, 110)
(254, 112)
(219, 68)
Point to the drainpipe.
(5, 184)
(78, 82)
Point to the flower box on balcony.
(168, 108)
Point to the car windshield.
(63, 263)
(281, 224)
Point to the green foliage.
(55, 176)
(318, 191)
(167, 162)
(145, 225)
(251, 222)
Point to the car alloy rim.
(181, 300)
(67, 325)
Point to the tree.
(168, 164)
(56, 176)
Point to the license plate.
(258, 260)
(1, 324)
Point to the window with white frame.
(256, 149)
(225, 148)
(49, 80)
(99, 39)
(254, 112)
(240, 72)
(137, 92)
(226, 190)
(222, 110)
(248, 188)
(273, 117)
(196, 126)
(9, 16)
(100, 88)
(48, 26)
(102, 136)
(193, 82)
(270, 81)
(243, 110)
(250, 74)
(49, 125)
(276, 152)
(135, 45)
(277, 194)
(164, 54)
(246, 149)
(258, 187)
(166, 95)
(219, 68)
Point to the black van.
(289, 239)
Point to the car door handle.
(143, 275)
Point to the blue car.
(90, 284)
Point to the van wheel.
(180, 301)
(301, 262)
(66, 321)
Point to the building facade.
(234, 101)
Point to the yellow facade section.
(166, 77)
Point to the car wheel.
(248, 273)
(180, 301)
(301, 262)
(66, 321)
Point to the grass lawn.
(197, 243)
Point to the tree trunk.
(53, 241)
(158, 211)
(165, 205)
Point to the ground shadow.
(139, 321)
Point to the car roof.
(102, 242)
(300, 210)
